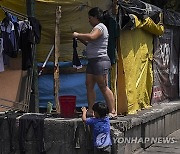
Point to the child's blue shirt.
(101, 131)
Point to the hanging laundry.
(9, 37)
(25, 44)
(11, 116)
(15, 20)
(76, 62)
(30, 34)
(36, 27)
(36, 121)
(114, 33)
(1, 56)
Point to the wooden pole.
(56, 59)
(114, 7)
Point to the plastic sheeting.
(165, 65)
(166, 60)
(139, 21)
(171, 18)
(70, 84)
(122, 105)
(138, 14)
(140, 9)
(74, 18)
(147, 24)
(137, 62)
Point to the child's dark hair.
(99, 14)
(101, 108)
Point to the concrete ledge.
(71, 136)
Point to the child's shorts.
(105, 150)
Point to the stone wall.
(71, 136)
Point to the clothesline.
(5, 9)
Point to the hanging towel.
(76, 62)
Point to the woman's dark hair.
(99, 14)
(101, 109)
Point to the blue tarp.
(70, 84)
(63, 64)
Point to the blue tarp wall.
(70, 84)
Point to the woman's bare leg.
(102, 81)
(91, 95)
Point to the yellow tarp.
(137, 53)
(74, 18)
(149, 26)
(122, 104)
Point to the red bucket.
(67, 105)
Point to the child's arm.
(84, 114)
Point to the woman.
(98, 60)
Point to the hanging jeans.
(11, 119)
(37, 123)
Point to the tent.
(151, 59)
(74, 18)
(133, 76)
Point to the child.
(101, 128)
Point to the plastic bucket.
(67, 105)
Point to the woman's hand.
(75, 35)
(79, 37)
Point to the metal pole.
(56, 58)
(30, 5)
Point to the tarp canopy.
(74, 18)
